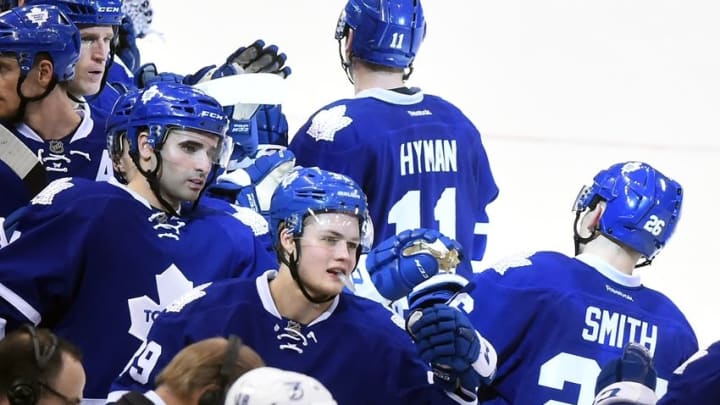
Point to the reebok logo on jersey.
(616, 292)
(328, 122)
(419, 113)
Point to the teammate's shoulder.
(238, 224)
(222, 293)
(362, 311)
(76, 190)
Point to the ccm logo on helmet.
(108, 9)
(212, 115)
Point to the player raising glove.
(253, 186)
(253, 127)
(461, 359)
(400, 263)
(628, 380)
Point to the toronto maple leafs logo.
(171, 284)
(150, 93)
(520, 260)
(47, 195)
(328, 122)
(37, 15)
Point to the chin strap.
(154, 181)
(345, 64)
(292, 265)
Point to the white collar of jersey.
(263, 287)
(83, 130)
(135, 195)
(392, 97)
(609, 271)
(154, 398)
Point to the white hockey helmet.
(273, 386)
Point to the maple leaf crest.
(327, 122)
(519, 260)
(171, 284)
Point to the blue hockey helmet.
(643, 206)
(386, 32)
(88, 12)
(161, 107)
(311, 191)
(40, 29)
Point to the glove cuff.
(626, 393)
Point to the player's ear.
(348, 44)
(287, 241)
(591, 219)
(45, 71)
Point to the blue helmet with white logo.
(386, 32)
(161, 107)
(40, 29)
(643, 206)
(310, 191)
(88, 12)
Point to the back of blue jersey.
(96, 264)
(697, 381)
(555, 321)
(354, 348)
(420, 161)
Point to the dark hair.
(19, 358)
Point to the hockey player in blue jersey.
(298, 316)
(555, 320)
(97, 261)
(69, 141)
(418, 157)
(631, 380)
(39, 47)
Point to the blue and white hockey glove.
(148, 74)
(126, 48)
(627, 380)
(253, 186)
(400, 263)
(253, 127)
(460, 359)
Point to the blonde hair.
(198, 365)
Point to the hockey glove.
(400, 263)
(148, 74)
(253, 186)
(459, 357)
(630, 379)
(126, 48)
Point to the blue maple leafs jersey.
(119, 80)
(96, 263)
(354, 349)
(697, 381)
(14, 192)
(555, 321)
(420, 161)
(83, 154)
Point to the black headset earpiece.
(216, 396)
(27, 391)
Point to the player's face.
(187, 156)
(9, 76)
(67, 389)
(93, 56)
(328, 247)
